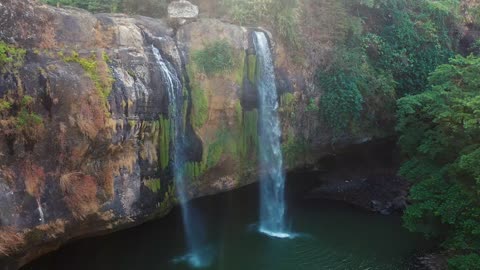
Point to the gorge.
(150, 134)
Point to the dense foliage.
(342, 98)
(388, 50)
(11, 58)
(216, 57)
(440, 137)
(153, 8)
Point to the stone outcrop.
(98, 157)
(182, 11)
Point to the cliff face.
(85, 134)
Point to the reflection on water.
(334, 236)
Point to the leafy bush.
(388, 50)
(216, 57)
(11, 58)
(416, 37)
(467, 262)
(342, 102)
(5, 105)
(439, 133)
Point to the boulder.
(181, 11)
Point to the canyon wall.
(85, 134)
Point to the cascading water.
(272, 178)
(40, 212)
(197, 256)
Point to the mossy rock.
(252, 67)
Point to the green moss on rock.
(164, 137)
(154, 185)
(11, 58)
(98, 71)
(217, 57)
(252, 67)
(249, 134)
(294, 151)
(199, 114)
(194, 170)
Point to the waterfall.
(196, 256)
(272, 178)
(40, 212)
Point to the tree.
(440, 138)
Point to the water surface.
(332, 236)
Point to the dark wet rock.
(365, 176)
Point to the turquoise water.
(331, 236)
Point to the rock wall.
(85, 131)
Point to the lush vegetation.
(387, 51)
(153, 8)
(215, 58)
(342, 102)
(440, 137)
(11, 58)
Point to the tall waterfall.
(175, 97)
(272, 178)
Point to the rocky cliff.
(85, 134)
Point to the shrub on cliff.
(215, 58)
(11, 58)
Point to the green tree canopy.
(440, 137)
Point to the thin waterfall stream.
(197, 255)
(272, 176)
